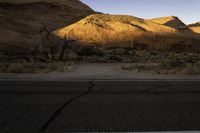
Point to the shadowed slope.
(124, 31)
(73, 3)
(21, 20)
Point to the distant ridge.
(171, 21)
(195, 24)
(175, 22)
(195, 27)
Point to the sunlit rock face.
(22, 20)
(125, 31)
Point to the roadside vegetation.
(47, 55)
(170, 63)
(34, 68)
(186, 69)
(52, 54)
(143, 60)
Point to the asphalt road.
(128, 105)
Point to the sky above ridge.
(187, 10)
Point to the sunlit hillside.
(125, 31)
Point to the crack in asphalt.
(166, 85)
(152, 90)
(62, 107)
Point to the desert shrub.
(114, 58)
(140, 68)
(3, 67)
(56, 67)
(129, 52)
(154, 52)
(140, 46)
(73, 56)
(15, 68)
(51, 67)
(117, 51)
(185, 69)
(95, 59)
(172, 63)
(89, 51)
(190, 69)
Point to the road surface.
(111, 105)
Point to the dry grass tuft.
(34, 67)
(184, 69)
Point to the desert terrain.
(65, 67)
(41, 36)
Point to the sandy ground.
(98, 71)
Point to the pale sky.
(187, 10)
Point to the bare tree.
(52, 45)
(64, 47)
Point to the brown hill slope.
(124, 31)
(21, 20)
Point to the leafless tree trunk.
(64, 47)
(50, 45)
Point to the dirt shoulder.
(97, 71)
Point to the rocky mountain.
(126, 31)
(21, 21)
